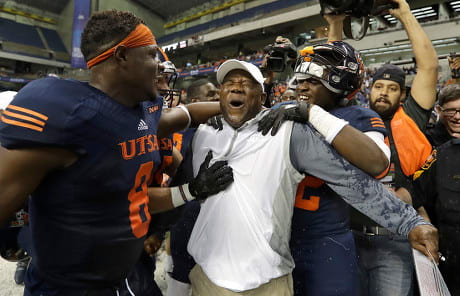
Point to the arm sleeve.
(379, 140)
(310, 154)
(423, 189)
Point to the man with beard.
(322, 244)
(87, 154)
(385, 260)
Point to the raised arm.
(178, 118)
(335, 26)
(310, 154)
(22, 170)
(374, 154)
(424, 85)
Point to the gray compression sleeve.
(311, 154)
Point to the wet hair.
(193, 91)
(106, 29)
(449, 93)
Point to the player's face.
(451, 122)
(312, 91)
(144, 72)
(386, 97)
(210, 92)
(288, 95)
(241, 98)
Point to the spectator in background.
(454, 65)
(288, 95)
(448, 125)
(202, 90)
(437, 186)
(385, 260)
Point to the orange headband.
(141, 36)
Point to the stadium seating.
(246, 14)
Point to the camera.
(356, 8)
(361, 9)
(278, 56)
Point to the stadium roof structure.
(168, 8)
(55, 6)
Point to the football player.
(87, 153)
(322, 243)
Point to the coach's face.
(241, 97)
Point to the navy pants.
(324, 266)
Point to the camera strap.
(362, 32)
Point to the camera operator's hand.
(211, 179)
(335, 22)
(402, 12)
(334, 18)
(283, 40)
(275, 117)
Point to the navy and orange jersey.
(319, 210)
(183, 139)
(88, 221)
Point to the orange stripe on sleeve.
(378, 125)
(383, 174)
(28, 111)
(24, 117)
(22, 124)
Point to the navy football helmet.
(336, 64)
(169, 71)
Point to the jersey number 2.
(138, 208)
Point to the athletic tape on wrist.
(188, 115)
(180, 195)
(325, 123)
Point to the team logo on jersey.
(154, 109)
(429, 162)
(142, 125)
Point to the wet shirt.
(89, 220)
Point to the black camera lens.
(334, 3)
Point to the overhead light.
(455, 2)
(425, 15)
(456, 6)
(422, 9)
(424, 12)
(447, 44)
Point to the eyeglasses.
(450, 112)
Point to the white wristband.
(188, 115)
(180, 195)
(325, 123)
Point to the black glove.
(216, 122)
(274, 119)
(211, 180)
